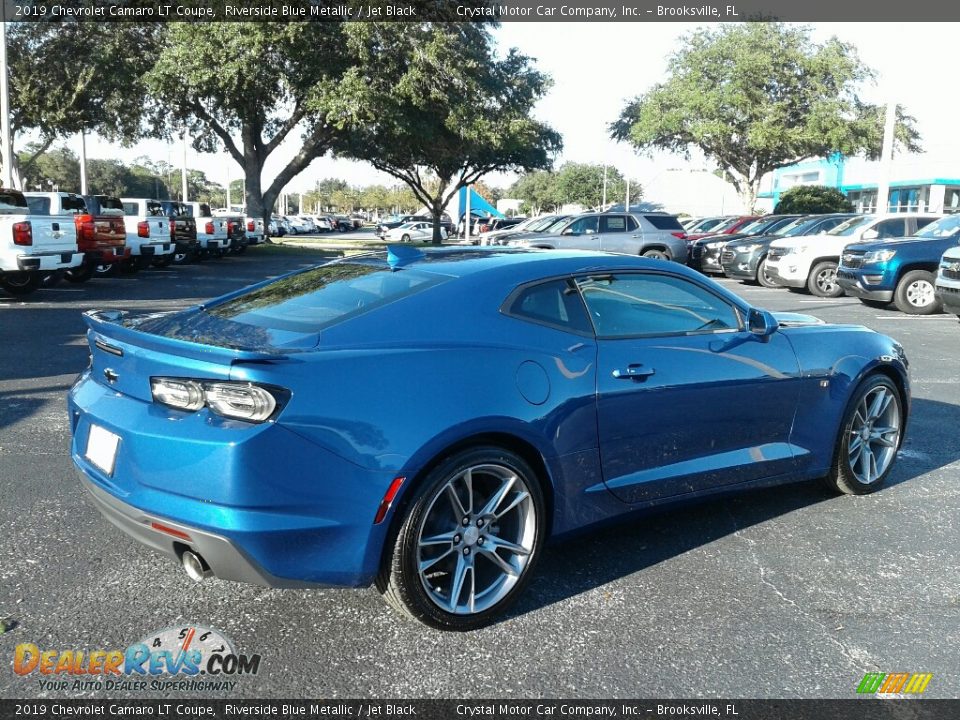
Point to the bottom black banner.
(912, 709)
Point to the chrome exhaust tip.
(195, 566)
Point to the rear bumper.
(260, 503)
(107, 256)
(41, 262)
(212, 244)
(853, 285)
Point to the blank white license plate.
(102, 448)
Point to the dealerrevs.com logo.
(183, 658)
(879, 683)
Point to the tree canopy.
(65, 79)
(579, 183)
(810, 199)
(754, 97)
(439, 109)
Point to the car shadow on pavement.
(590, 560)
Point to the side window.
(892, 228)
(632, 225)
(613, 223)
(922, 222)
(556, 303)
(583, 226)
(633, 305)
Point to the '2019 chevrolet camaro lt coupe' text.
(425, 420)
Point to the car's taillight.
(231, 227)
(209, 229)
(251, 226)
(173, 229)
(22, 233)
(681, 235)
(143, 229)
(85, 231)
(235, 400)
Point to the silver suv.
(651, 234)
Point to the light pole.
(184, 166)
(83, 162)
(6, 144)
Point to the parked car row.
(388, 224)
(879, 259)
(908, 259)
(49, 236)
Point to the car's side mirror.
(568, 231)
(761, 323)
(870, 234)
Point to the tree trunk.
(748, 195)
(437, 210)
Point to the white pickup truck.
(148, 232)
(212, 234)
(31, 247)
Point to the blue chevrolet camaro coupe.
(424, 421)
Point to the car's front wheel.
(764, 277)
(870, 437)
(655, 254)
(823, 280)
(469, 541)
(20, 283)
(915, 294)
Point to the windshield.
(755, 227)
(850, 226)
(943, 228)
(556, 225)
(725, 225)
(705, 225)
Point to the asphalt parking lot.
(787, 592)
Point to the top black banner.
(474, 11)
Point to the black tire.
(20, 283)
(763, 278)
(400, 579)
(842, 477)
(915, 294)
(182, 258)
(822, 280)
(655, 254)
(130, 267)
(105, 270)
(405, 238)
(80, 274)
(51, 279)
(163, 261)
(878, 304)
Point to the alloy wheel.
(476, 538)
(920, 293)
(874, 434)
(827, 281)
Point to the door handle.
(634, 372)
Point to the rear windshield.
(12, 203)
(664, 222)
(288, 311)
(73, 205)
(171, 209)
(205, 210)
(108, 205)
(39, 205)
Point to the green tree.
(584, 184)
(247, 87)
(537, 190)
(57, 168)
(107, 177)
(65, 79)
(443, 110)
(810, 199)
(755, 97)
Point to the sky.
(597, 67)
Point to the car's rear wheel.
(405, 238)
(764, 277)
(20, 283)
(182, 257)
(915, 294)
(655, 254)
(80, 274)
(469, 542)
(103, 270)
(163, 261)
(870, 437)
(823, 280)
